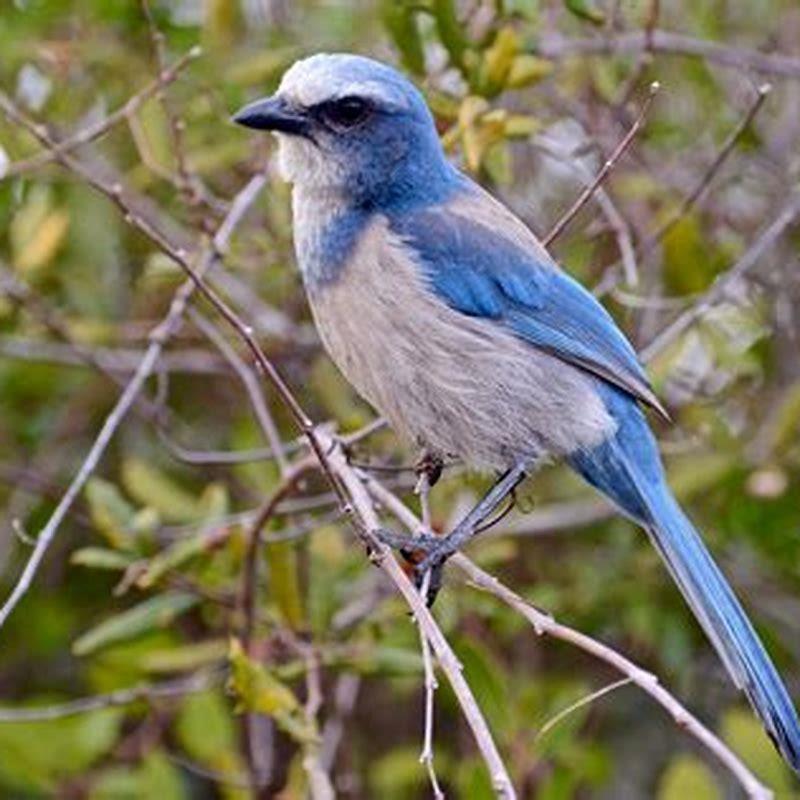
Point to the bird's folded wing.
(482, 271)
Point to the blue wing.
(479, 271)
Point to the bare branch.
(345, 696)
(115, 360)
(54, 152)
(451, 667)
(250, 381)
(711, 171)
(587, 193)
(674, 44)
(717, 292)
(544, 624)
(198, 682)
(158, 338)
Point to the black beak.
(273, 114)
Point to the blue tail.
(627, 469)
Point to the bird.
(447, 314)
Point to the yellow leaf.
(527, 69)
(743, 732)
(256, 689)
(499, 58)
(687, 776)
(521, 126)
(40, 249)
(151, 487)
(472, 141)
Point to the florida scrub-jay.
(447, 314)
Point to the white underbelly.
(448, 382)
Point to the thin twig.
(705, 179)
(587, 193)
(584, 701)
(448, 662)
(661, 41)
(250, 381)
(121, 697)
(99, 128)
(158, 338)
(345, 696)
(615, 220)
(187, 182)
(423, 489)
(544, 624)
(718, 290)
(319, 781)
(430, 687)
(645, 57)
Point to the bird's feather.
(479, 270)
(627, 469)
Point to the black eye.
(346, 112)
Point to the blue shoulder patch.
(478, 271)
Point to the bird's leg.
(441, 549)
(414, 547)
(428, 469)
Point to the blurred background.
(142, 586)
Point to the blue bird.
(448, 315)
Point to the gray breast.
(453, 384)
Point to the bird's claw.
(425, 553)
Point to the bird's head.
(351, 125)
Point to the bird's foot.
(426, 554)
(408, 544)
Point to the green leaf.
(687, 777)
(111, 513)
(157, 777)
(451, 31)
(399, 775)
(206, 729)
(101, 558)
(690, 261)
(160, 778)
(185, 657)
(151, 487)
(121, 783)
(485, 676)
(284, 581)
(586, 10)
(258, 690)
(178, 553)
(401, 23)
(743, 732)
(157, 612)
(37, 754)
